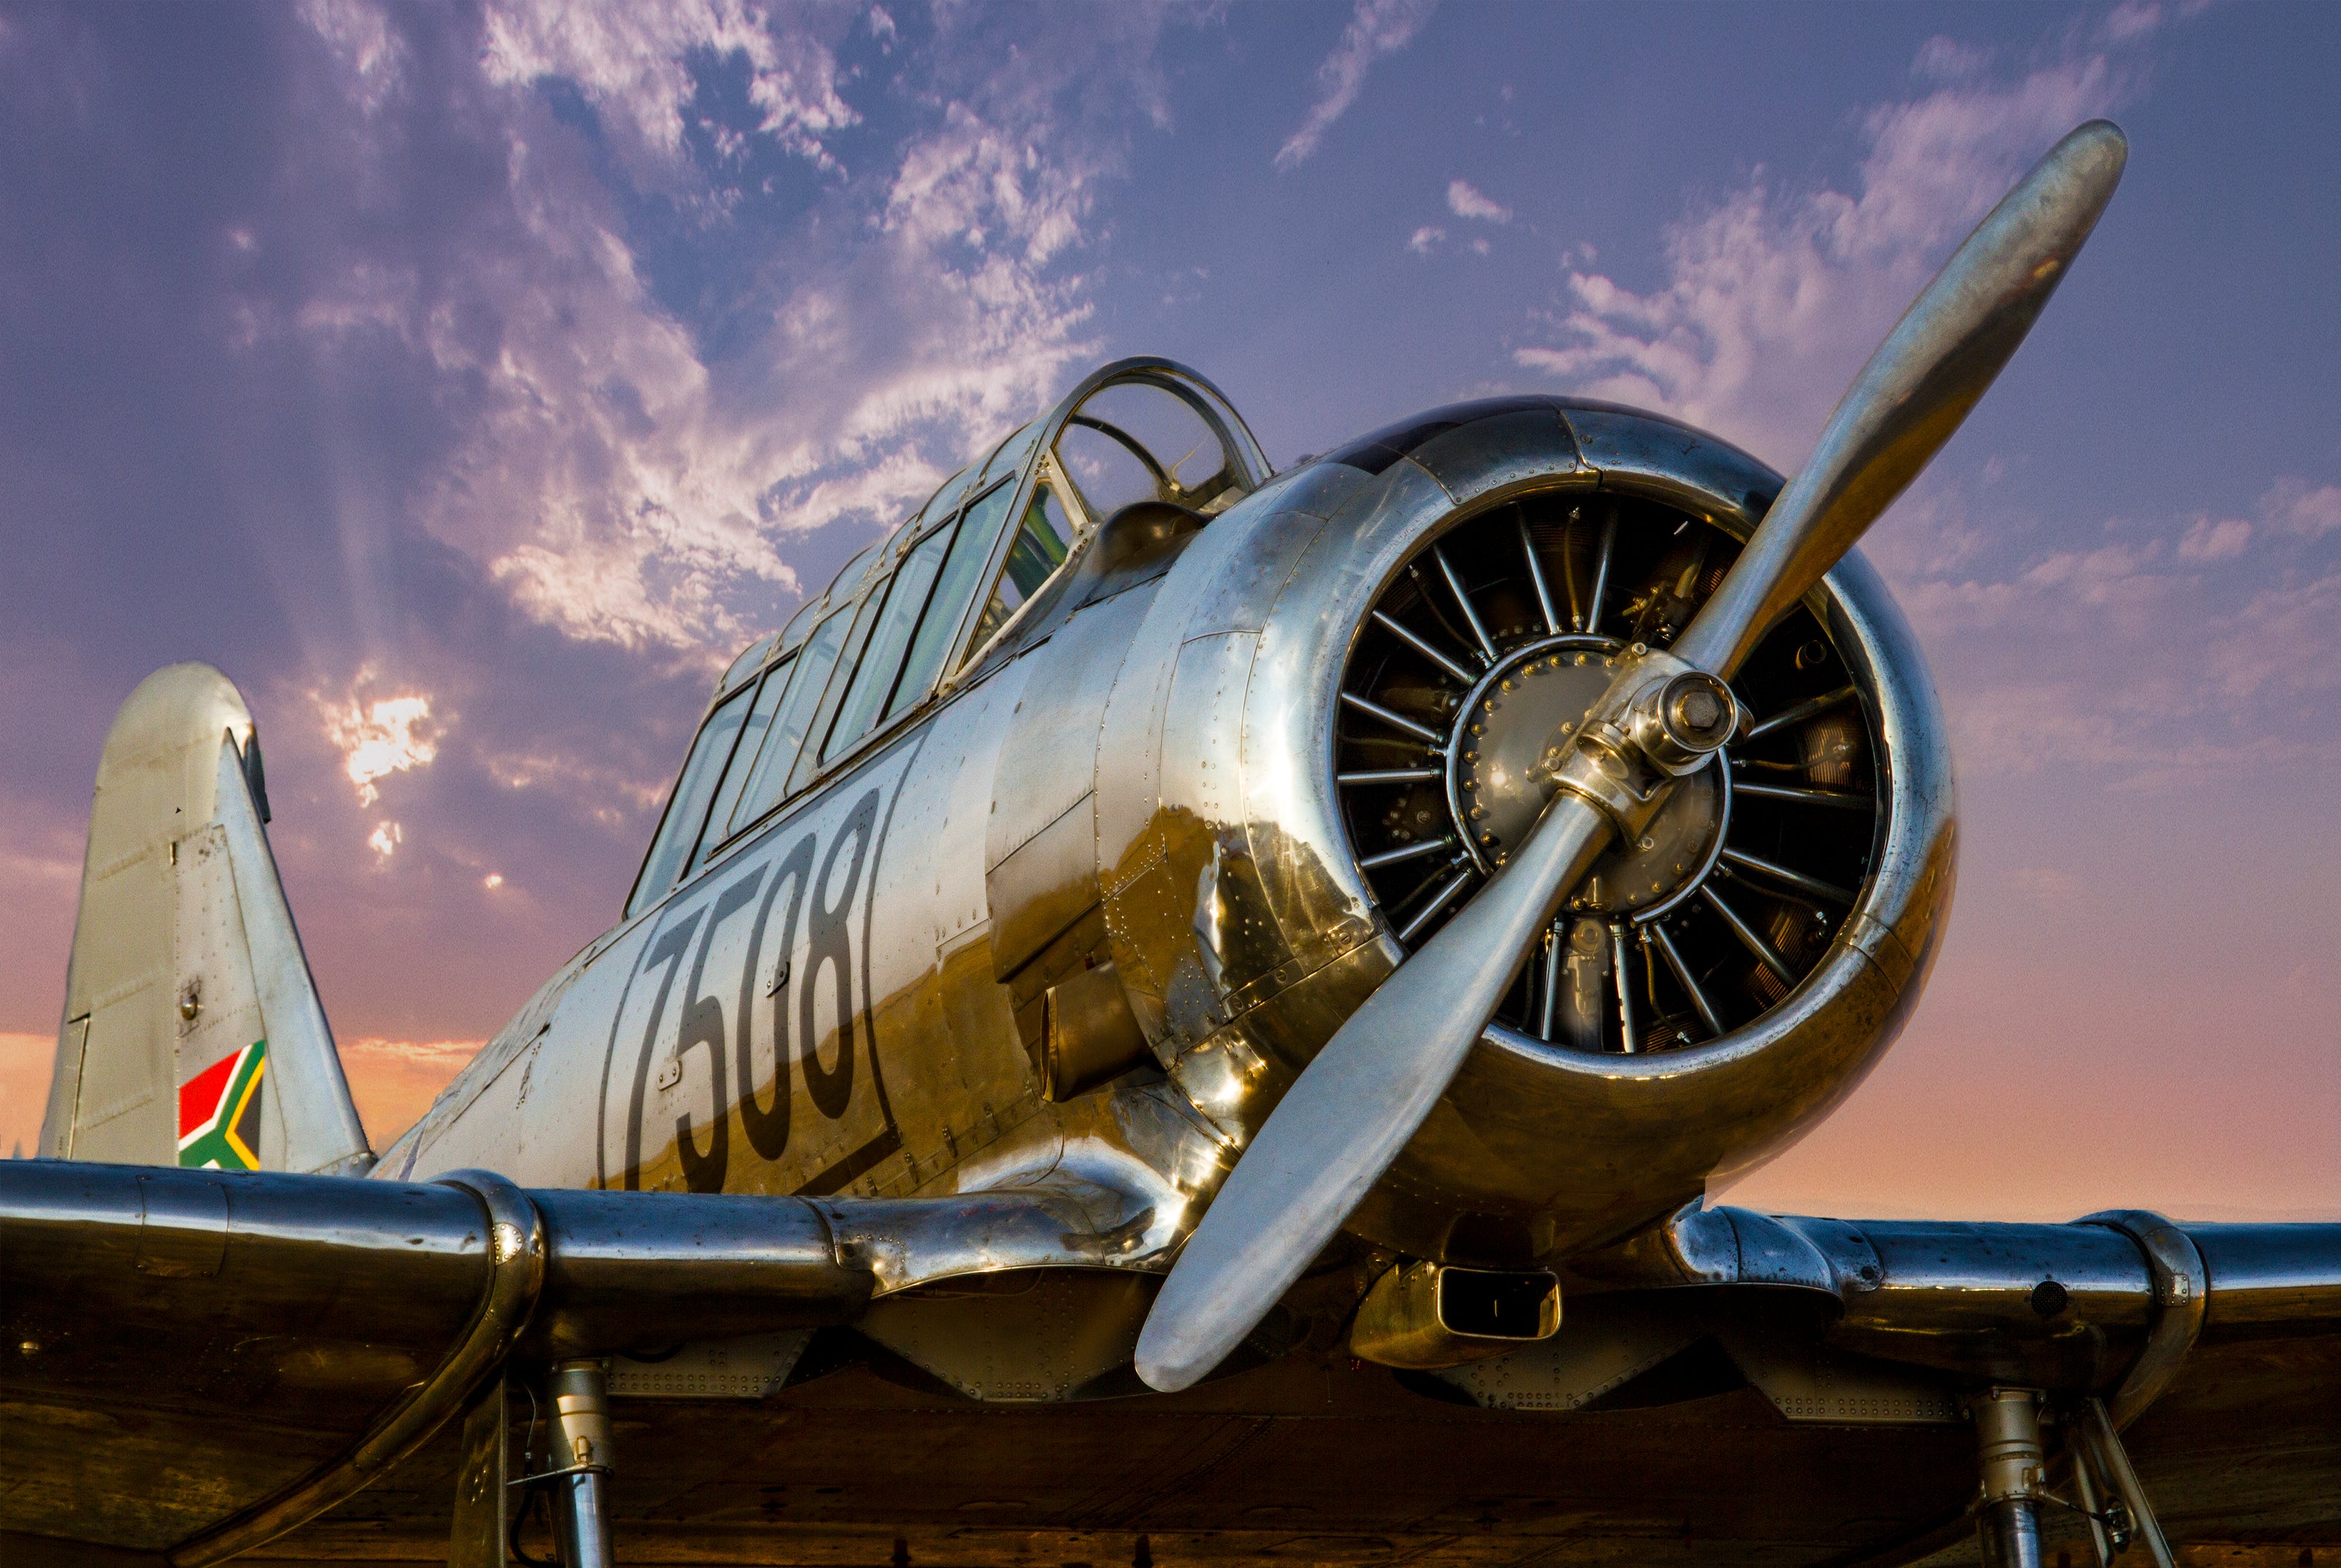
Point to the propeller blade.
(1369, 1089)
(1916, 389)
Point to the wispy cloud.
(1774, 296)
(620, 481)
(2156, 659)
(1465, 202)
(2208, 538)
(633, 63)
(2292, 504)
(1376, 28)
(1946, 59)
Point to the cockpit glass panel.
(941, 504)
(1009, 455)
(687, 808)
(873, 678)
(794, 633)
(1108, 472)
(865, 616)
(752, 735)
(1139, 442)
(745, 665)
(848, 576)
(1043, 539)
(962, 571)
(768, 781)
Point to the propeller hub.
(1516, 729)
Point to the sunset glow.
(472, 386)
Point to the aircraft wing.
(272, 1342)
(273, 1345)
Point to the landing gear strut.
(579, 1482)
(2008, 1450)
(2014, 1482)
(2101, 1470)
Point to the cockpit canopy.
(919, 614)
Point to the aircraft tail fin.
(192, 1033)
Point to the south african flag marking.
(219, 1112)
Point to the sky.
(471, 381)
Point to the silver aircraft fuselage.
(1139, 771)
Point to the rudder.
(192, 1032)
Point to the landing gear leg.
(582, 1452)
(2102, 1451)
(2007, 1451)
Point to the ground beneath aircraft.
(1321, 1460)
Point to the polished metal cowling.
(1252, 902)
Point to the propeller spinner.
(1365, 1094)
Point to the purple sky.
(471, 383)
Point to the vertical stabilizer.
(192, 1031)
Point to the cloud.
(380, 737)
(377, 58)
(621, 479)
(1946, 59)
(633, 63)
(2141, 659)
(1773, 297)
(2206, 540)
(2133, 19)
(2281, 645)
(1376, 28)
(1467, 203)
(1426, 240)
(592, 466)
(393, 1081)
(2292, 504)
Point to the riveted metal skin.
(514, 1242)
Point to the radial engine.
(1343, 708)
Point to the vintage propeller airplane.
(1176, 1012)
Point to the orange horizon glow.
(1919, 1139)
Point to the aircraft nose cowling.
(1342, 712)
